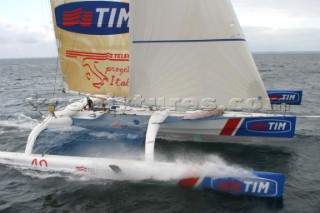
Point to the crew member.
(90, 103)
(51, 109)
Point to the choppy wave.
(42, 174)
(18, 120)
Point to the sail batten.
(192, 49)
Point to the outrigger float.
(194, 59)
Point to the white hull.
(188, 175)
(230, 127)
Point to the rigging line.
(49, 19)
(55, 78)
(308, 116)
(46, 7)
(68, 62)
(189, 41)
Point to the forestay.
(192, 49)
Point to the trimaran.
(192, 77)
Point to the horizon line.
(254, 52)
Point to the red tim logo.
(230, 186)
(259, 126)
(275, 97)
(77, 17)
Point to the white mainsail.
(192, 49)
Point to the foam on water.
(20, 121)
(107, 135)
(64, 128)
(132, 136)
(42, 174)
(115, 135)
(214, 166)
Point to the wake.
(213, 166)
(19, 121)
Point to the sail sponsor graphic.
(98, 73)
(94, 17)
(93, 45)
(77, 17)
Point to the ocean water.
(23, 190)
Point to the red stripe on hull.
(230, 126)
(189, 182)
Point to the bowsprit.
(94, 17)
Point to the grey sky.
(269, 25)
(280, 25)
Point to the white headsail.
(192, 49)
(93, 45)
